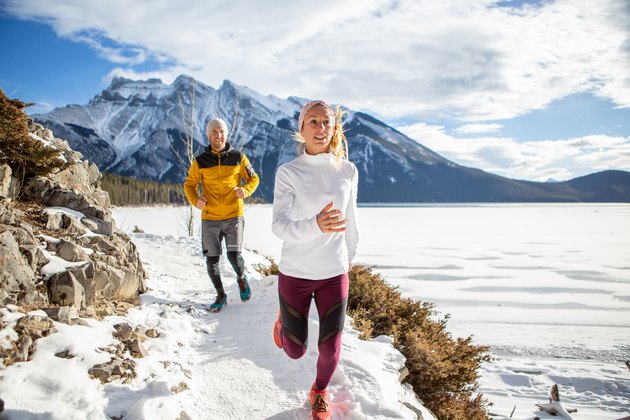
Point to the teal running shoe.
(219, 303)
(244, 290)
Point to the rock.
(35, 326)
(123, 331)
(116, 283)
(7, 215)
(52, 194)
(70, 251)
(103, 371)
(72, 226)
(136, 348)
(16, 275)
(22, 236)
(54, 221)
(80, 321)
(8, 184)
(29, 328)
(5, 299)
(116, 368)
(63, 314)
(34, 255)
(64, 289)
(403, 372)
(65, 354)
(182, 386)
(184, 416)
(90, 224)
(34, 298)
(23, 348)
(85, 276)
(100, 226)
(113, 274)
(40, 131)
(152, 333)
(141, 333)
(98, 243)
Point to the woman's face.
(318, 129)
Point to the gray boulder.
(64, 289)
(112, 276)
(54, 221)
(63, 314)
(70, 251)
(17, 275)
(7, 182)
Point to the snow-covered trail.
(236, 370)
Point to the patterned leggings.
(331, 297)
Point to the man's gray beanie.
(214, 123)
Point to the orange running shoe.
(277, 332)
(320, 404)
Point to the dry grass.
(270, 269)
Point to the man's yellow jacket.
(219, 173)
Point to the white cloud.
(532, 160)
(472, 61)
(478, 128)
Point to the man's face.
(217, 138)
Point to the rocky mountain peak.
(135, 128)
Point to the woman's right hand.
(201, 203)
(331, 220)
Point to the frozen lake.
(547, 286)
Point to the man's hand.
(201, 203)
(240, 192)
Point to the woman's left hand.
(331, 220)
(240, 192)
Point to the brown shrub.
(270, 269)
(442, 370)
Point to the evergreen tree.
(28, 157)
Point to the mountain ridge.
(135, 128)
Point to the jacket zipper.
(220, 189)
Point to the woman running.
(315, 214)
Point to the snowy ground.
(546, 286)
(227, 360)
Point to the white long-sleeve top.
(304, 186)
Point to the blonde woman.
(315, 214)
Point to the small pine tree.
(27, 157)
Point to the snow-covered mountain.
(136, 128)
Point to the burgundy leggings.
(331, 297)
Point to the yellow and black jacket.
(219, 173)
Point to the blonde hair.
(338, 144)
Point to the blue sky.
(526, 89)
